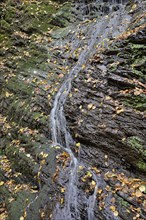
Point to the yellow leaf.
(62, 190)
(34, 80)
(8, 94)
(93, 107)
(113, 208)
(61, 200)
(21, 218)
(45, 155)
(83, 179)
(57, 147)
(49, 96)
(116, 213)
(90, 106)
(21, 130)
(93, 183)
(134, 6)
(78, 144)
(118, 111)
(99, 191)
(81, 167)
(89, 174)
(83, 66)
(1, 183)
(142, 188)
(95, 169)
(138, 193)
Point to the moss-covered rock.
(141, 165)
(137, 102)
(137, 145)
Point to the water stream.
(99, 32)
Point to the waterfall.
(59, 132)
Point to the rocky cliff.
(105, 110)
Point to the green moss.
(20, 87)
(137, 145)
(124, 203)
(10, 13)
(137, 102)
(37, 16)
(137, 46)
(18, 205)
(63, 17)
(5, 25)
(139, 61)
(141, 165)
(137, 73)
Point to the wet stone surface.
(105, 112)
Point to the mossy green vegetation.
(141, 165)
(123, 202)
(138, 60)
(137, 102)
(136, 143)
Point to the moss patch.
(141, 165)
(137, 102)
(137, 145)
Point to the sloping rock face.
(105, 111)
(109, 102)
(30, 76)
(106, 115)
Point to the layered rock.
(105, 110)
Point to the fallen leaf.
(90, 106)
(8, 94)
(113, 208)
(118, 111)
(81, 167)
(142, 188)
(116, 213)
(95, 169)
(1, 183)
(93, 183)
(61, 75)
(78, 144)
(61, 201)
(138, 193)
(62, 190)
(89, 174)
(99, 191)
(93, 107)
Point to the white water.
(59, 131)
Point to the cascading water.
(59, 131)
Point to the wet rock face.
(106, 115)
(105, 111)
